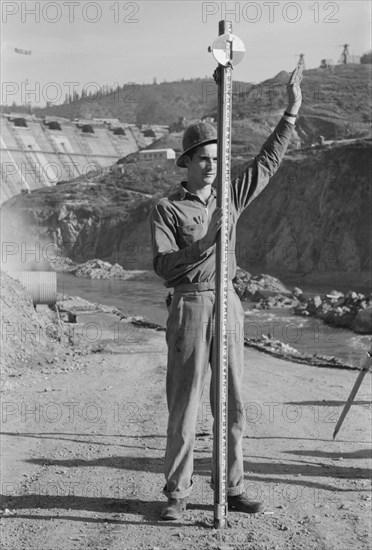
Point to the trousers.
(191, 350)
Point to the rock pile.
(97, 269)
(266, 291)
(252, 287)
(352, 310)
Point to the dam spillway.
(39, 152)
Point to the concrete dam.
(39, 152)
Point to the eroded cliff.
(313, 217)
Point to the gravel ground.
(83, 438)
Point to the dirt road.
(83, 443)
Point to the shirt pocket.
(189, 233)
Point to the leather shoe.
(174, 509)
(240, 503)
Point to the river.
(147, 297)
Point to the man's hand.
(210, 237)
(294, 91)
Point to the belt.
(199, 287)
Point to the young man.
(184, 228)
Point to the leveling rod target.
(228, 50)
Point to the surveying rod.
(227, 50)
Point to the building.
(351, 59)
(108, 121)
(157, 154)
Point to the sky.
(74, 43)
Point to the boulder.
(257, 287)
(335, 294)
(267, 282)
(336, 298)
(297, 293)
(341, 317)
(313, 305)
(362, 323)
(352, 296)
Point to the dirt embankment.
(314, 216)
(25, 332)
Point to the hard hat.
(198, 133)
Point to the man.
(184, 228)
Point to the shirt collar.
(184, 193)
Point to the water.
(307, 334)
(147, 298)
(132, 297)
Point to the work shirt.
(179, 221)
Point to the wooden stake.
(364, 369)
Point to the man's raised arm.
(256, 176)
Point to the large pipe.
(42, 285)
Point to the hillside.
(140, 104)
(314, 216)
(334, 92)
(336, 103)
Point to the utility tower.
(345, 54)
